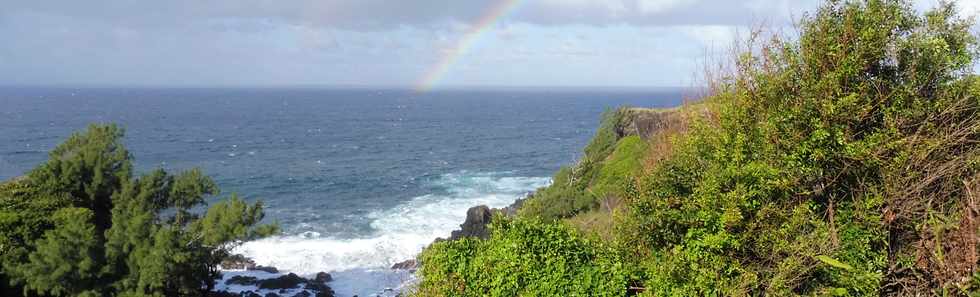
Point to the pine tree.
(82, 225)
(67, 259)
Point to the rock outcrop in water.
(310, 287)
(238, 261)
(477, 219)
(317, 286)
(475, 225)
(409, 265)
(268, 269)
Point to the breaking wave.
(361, 266)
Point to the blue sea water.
(358, 178)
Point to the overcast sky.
(639, 43)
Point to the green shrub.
(522, 257)
(836, 146)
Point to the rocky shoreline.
(289, 284)
(475, 225)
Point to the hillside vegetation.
(842, 161)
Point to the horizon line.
(338, 86)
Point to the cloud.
(383, 14)
(342, 14)
(431, 14)
(660, 12)
(371, 42)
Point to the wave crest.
(361, 266)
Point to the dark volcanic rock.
(222, 294)
(321, 289)
(237, 261)
(270, 294)
(322, 277)
(268, 269)
(243, 280)
(410, 264)
(250, 294)
(319, 285)
(283, 282)
(302, 294)
(477, 219)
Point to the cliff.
(645, 122)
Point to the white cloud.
(248, 42)
(659, 6)
(712, 36)
(971, 7)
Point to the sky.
(424, 44)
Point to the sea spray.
(362, 266)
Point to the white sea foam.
(361, 266)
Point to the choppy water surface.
(359, 179)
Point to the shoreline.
(355, 263)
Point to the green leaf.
(833, 262)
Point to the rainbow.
(482, 25)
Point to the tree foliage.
(66, 259)
(81, 224)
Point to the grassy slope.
(632, 156)
(596, 181)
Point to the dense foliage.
(843, 161)
(81, 224)
(523, 257)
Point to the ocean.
(358, 178)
